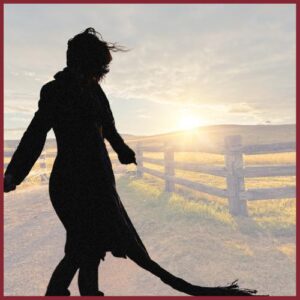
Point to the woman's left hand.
(127, 156)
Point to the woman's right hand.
(9, 184)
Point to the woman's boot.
(88, 278)
(62, 277)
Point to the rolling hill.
(212, 135)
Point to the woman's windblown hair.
(89, 54)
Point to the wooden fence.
(40, 169)
(234, 170)
(39, 172)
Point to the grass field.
(197, 238)
(274, 216)
(193, 235)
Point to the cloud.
(17, 108)
(15, 129)
(144, 116)
(233, 61)
(29, 74)
(241, 108)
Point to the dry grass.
(274, 216)
(206, 241)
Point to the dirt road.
(187, 246)
(34, 241)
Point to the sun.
(188, 122)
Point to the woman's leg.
(62, 277)
(88, 277)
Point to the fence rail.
(233, 171)
(40, 172)
(269, 148)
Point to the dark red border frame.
(3, 2)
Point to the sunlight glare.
(189, 122)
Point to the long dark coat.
(82, 184)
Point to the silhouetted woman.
(82, 185)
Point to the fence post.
(43, 167)
(139, 160)
(169, 167)
(235, 177)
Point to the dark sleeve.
(109, 127)
(33, 139)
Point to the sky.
(188, 65)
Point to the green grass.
(275, 217)
(193, 235)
